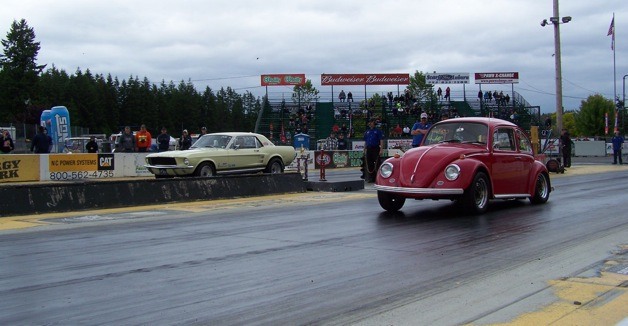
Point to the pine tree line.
(106, 104)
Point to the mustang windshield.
(457, 132)
(212, 141)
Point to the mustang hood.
(419, 166)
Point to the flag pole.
(614, 64)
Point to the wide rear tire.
(390, 202)
(274, 166)
(541, 189)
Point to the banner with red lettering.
(496, 77)
(365, 79)
(283, 79)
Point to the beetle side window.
(524, 143)
(504, 140)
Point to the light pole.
(556, 21)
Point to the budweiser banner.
(283, 80)
(365, 79)
(496, 77)
(451, 78)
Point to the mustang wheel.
(475, 198)
(205, 170)
(274, 166)
(541, 190)
(390, 202)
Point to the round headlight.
(386, 170)
(186, 161)
(452, 172)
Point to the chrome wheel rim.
(481, 193)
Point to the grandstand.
(280, 120)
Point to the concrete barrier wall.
(22, 199)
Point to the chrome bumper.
(420, 191)
(174, 167)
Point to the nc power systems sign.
(283, 80)
(447, 78)
(496, 77)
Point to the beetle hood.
(420, 165)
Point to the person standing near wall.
(163, 140)
(565, 143)
(143, 139)
(373, 149)
(185, 142)
(618, 142)
(126, 142)
(92, 145)
(42, 142)
(6, 143)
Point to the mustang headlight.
(186, 161)
(386, 170)
(452, 172)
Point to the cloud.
(230, 43)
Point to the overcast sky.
(231, 43)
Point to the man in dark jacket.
(565, 143)
(42, 142)
(163, 140)
(92, 145)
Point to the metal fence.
(22, 135)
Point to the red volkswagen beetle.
(470, 160)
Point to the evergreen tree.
(18, 71)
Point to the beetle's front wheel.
(390, 202)
(475, 197)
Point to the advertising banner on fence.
(447, 78)
(79, 166)
(19, 168)
(496, 77)
(365, 79)
(338, 159)
(283, 79)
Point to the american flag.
(611, 33)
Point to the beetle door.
(509, 170)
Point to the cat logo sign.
(105, 162)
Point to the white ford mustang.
(221, 153)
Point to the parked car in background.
(77, 144)
(222, 153)
(470, 160)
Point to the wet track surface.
(335, 259)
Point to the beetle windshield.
(212, 141)
(457, 132)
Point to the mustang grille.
(162, 161)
